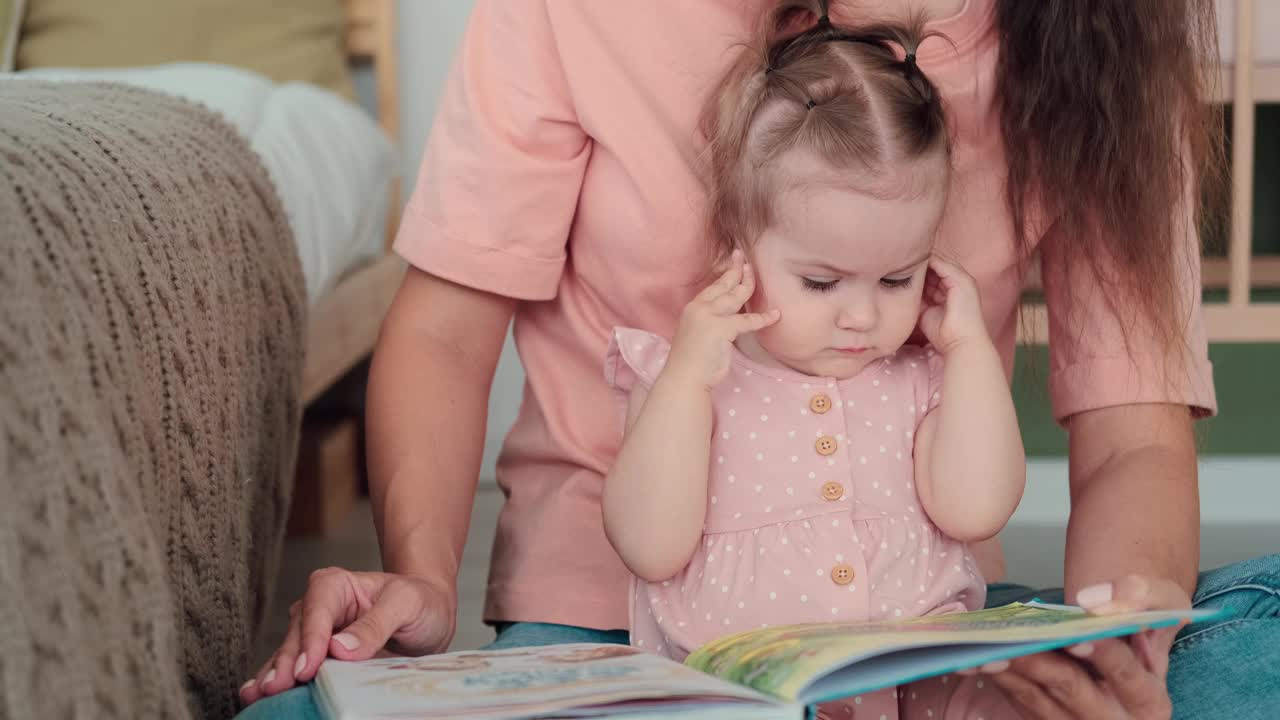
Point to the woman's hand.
(952, 309)
(1115, 678)
(366, 610)
(712, 321)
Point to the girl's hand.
(350, 616)
(711, 322)
(1115, 678)
(952, 314)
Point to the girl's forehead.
(853, 230)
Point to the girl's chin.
(840, 367)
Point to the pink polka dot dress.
(812, 513)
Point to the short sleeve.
(1090, 365)
(926, 363)
(504, 163)
(634, 356)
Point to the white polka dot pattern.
(776, 542)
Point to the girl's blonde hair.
(853, 97)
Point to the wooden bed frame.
(344, 322)
(1243, 84)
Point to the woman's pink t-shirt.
(562, 169)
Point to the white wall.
(428, 32)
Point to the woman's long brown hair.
(1105, 119)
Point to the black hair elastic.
(910, 61)
(810, 104)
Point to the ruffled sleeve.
(928, 364)
(634, 355)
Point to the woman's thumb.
(372, 628)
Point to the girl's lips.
(851, 350)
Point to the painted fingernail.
(301, 663)
(347, 640)
(271, 675)
(998, 666)
(1094, 595)
(1082, 650)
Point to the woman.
(561, 183)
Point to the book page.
(526, 682)
(785, 661)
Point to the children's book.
(771, 674)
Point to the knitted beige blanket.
(151, 320)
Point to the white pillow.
(331, 164)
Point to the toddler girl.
(788, 457)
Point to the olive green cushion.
(285, 40)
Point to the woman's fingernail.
(1082, 650)
(347, 640)
(301, 663)
(998, 666)
(271, 675)
(248, 683)
(1094, 596)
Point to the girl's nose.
(858, 316)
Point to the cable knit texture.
(150, 362)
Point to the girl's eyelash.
(818, 285)
(828, 285)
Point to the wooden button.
(826, 445)
(820, 403)
(842, 574)
(832, 491)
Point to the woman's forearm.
(1135, 505)
(655, 495)
(427, 407)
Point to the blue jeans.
(1222, 669)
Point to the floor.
(1034, 554)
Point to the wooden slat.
(1256, 323)
(371, 36)
(385, 76)
(1264, 272)
(1242, 142)
(345, 321)
(362, 41)
(361, 20)
(1215, 273)
(1266, 84)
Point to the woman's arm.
(427, 401)
(1133, 544)
(1135, 505)
(655, 495)
(970, 466)
(427, 407)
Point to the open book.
(772, 673)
